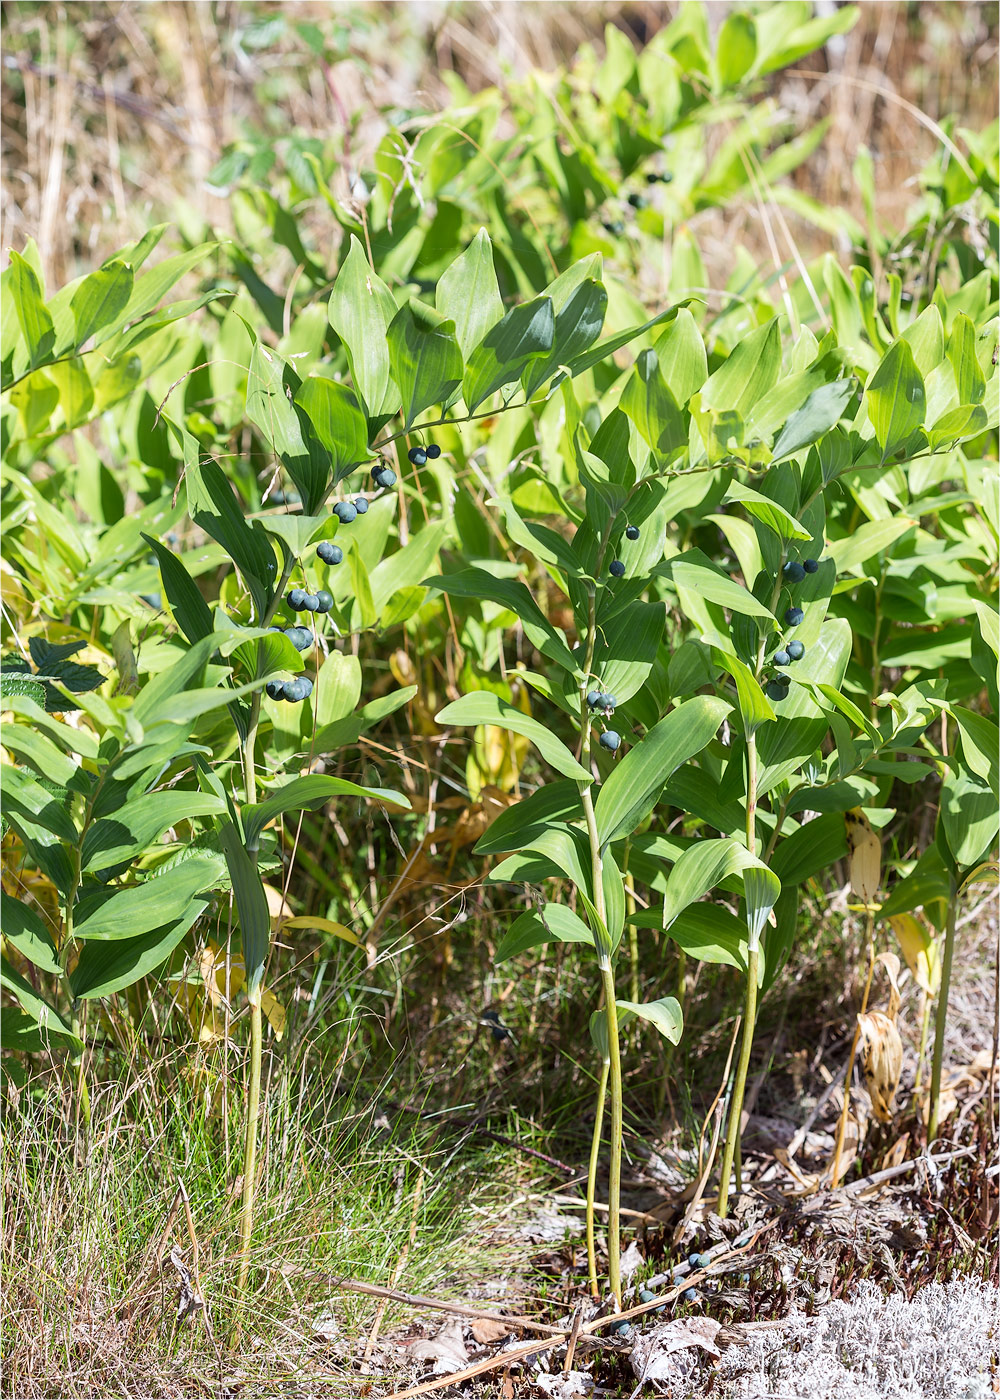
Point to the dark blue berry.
(310, 603)
(781, 679)
(796, 651)
(361, 505)
(617, 569)
(609, 702)
(433, 451)
(300, 637)
(781, 658)
(621, 1329)
(297, 599)
(275, 689)
(794, 573)
(703, 1261)
(417, 456)
(689, 1295)
(610, 740)
(810, 565)
(385, 478)
(794, 616)
(593, 698)
(324, 601)
(631, 532)
(693, 1260)
(773, 691)
(329, 553)
(296, 690)
(345, 512)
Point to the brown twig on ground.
(417, 1300)
(865, 1183)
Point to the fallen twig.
(865, 1183)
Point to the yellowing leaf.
(864, 856)
(322, 926)
(920, 951)
(881, 1055)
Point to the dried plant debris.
(940, 1345)
(668, 1354)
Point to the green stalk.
(633, 932)
(750, 1002)
(595, 1149)
(256, 1019)
(941, 1016)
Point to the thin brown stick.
(417, 1300)
(573, 1337)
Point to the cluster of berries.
(616, 568)
(420, 455)
(301, 601)
(294, 691)
(348, 511)
(603, 703)
(777, 686)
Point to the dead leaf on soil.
(654, 1356)
(446, 1350)
(565, 1386)
(485, 1330)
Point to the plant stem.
(925, 1021)
(250, 1158)
(941, 1016)
(750, 1000)
(595, 1149)
(845, 1111)
(633, 932)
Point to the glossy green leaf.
(27, 798)
(522, 823)
(768, 512)
(273, 388)
(32, 314)
(100, 298)
(139, 823)
(424, 357)
(750, 371)
(664, 1015)
(552, 923)
(652, 407)
(251, 907)
(755, 709)
(820, 412)
(695, 571)
(962, 353)
(104, 968)
(361, 309)
(635, 783)
(338, 421)
(215, 509)
(468, 294)
(44, 1015)
(895, 399)
(526, 333)
(579, 310)
(483, 707)
(191, 613)
(969, 816)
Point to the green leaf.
(361, 309)
(604, 349)
(251, 907)
(100, 298)
(737, 48)
(709, 933)
(272, 405)
(27, 798)
(754, 707)
(553, 923)
(468, 293)
(45, 1016)
(522, 823)
(695, 571)
(109, 967)
(32, 313)
(23, 926)
(632, 790)
(749, 373)
(483, 707)
(821, 411)
(214, 508)
(127, 832)
(761, 888)
(896, 399)
(150, 289)
(526, 333)
(980, 744)
(160, 900)
(869, 540)
(424, 357)
(814, 847)
(338, 421)
(768, 512)
(962, 354)
(515, 596)
(665, 1015)
(308, 794)
(681, 354)
(968, 420)
(700, 869)
(20, 683)
(580, 308)
(969, 816)
(191, 613)
(652, 407)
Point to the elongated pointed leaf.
(273, 390)
(750, 371)
(699, 869)
(306, 795)
(23, 926)
(579, 320)
(161, 900)
(215, 509)
(45, 1016)
(694, 570)
(521, 824)
(361, 308)
(896, 399)
(338, 421)
(251, 906)
(110, 967)
(652, 407)
(100, 298)
(128, 831)
(483, 707)
(526, 333)
(635, 784)
(191, 613)
(553, 923)
(424, 357)
(515, 596)
(468, 293)
(32, 313)
(665, 1015)
(25, 799)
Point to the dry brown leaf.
(485, 1330)
(881, 1054)
(446, 1349)
(652, 1357)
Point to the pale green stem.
(941, 1016)
(595, 1151)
